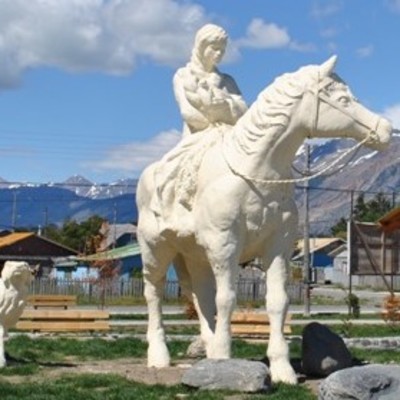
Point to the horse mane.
(270, 114)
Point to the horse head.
(334, 111)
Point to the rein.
(372, 135)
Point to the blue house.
(320, 257)
(119, 244)
(127, 259)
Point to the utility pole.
(46, 220)
(14, 212)
(115, 226)
(349, 249)
(306, 239)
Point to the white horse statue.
(240, 206)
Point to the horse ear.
(328, 66)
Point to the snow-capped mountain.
(365, 170)
(85, 188)
(330, 194)
(28, 205)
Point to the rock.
(370, 382)
(232, 374)
(196, 348)
(323, 351)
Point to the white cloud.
(268, 35)
(93, 35)
(393, 114)
(394, 5)
(326, 9)
(302, 47)
(264, 35)
(111, 36)
(135, 156)
(365, 51)
(329, 33)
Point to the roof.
(130, 250)
(14, 238)
(113, 232)
(316, 244)
(28, 246)
(390, 221)
(340, 250)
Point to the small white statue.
(237, 203)
(14, 286)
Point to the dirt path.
(129, 368)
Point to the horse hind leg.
(203, 296)
(155, 264)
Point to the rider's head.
(210, 44)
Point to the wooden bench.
(63, 320)
(50, 300)
(251, 324)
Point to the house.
(374, 254)
(127, 259)
(117, 235)
(340, 271)
(321, 262)
(73, 268)
(118, 244)
(319, 251)
(34, 249)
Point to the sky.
(86, 85)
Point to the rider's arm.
(189, 103)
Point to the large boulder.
(370, 382)
(323, 351)
(234, 374)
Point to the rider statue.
(207, 97)
(210, 103)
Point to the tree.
(360, 209)
(340, 229)
(363, 211)
(76, 235)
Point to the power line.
(3, 185)
(347, 191)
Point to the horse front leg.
(157, 351)
(155, 265)
(198, 284)
(277, 303)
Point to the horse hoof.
(158, 358)
(284, 374)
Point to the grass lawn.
(110, 387)
(32, 354)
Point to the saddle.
(176, 174)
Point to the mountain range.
(77, 198)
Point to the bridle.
(318, 96)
